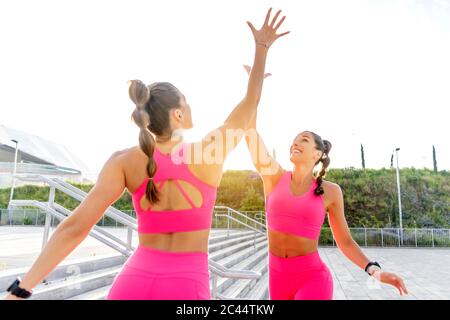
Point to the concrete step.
(225, 251)
(97, 294)
(75, 285)
(91, 278)
(240, 288)
(261, 290)
(66, 268)
(246, 263)
(226, 243)
(222, 235)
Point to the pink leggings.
(151, 274)
(299, 278)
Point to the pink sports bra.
(175, 220)
(299, 215)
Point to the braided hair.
(152, 103)
(325, 147)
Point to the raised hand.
(248, 69)
(267, 34)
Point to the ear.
(178, 114)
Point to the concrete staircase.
(91, 278)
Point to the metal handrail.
(218, 270)
(260, 216)
(95, 233)
(84, 194)
(80, 195)
(67, 213)
(231, 210)
(53, 209)
(242, 223)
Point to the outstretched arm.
(74, 229)
(349, 247)
(226, 137)
(264, 163)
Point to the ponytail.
(325, 163)
(140, 95)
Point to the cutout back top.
(174, 167)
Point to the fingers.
(402, 284)
(251, 27)
(275, 18)
(283, 34)
(279, 23)
(268, 16)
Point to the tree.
(252, 200)
(362, 157)
(434, 160)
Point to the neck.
(301, 174)
(169, 140)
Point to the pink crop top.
(299, 215)
(175, 220)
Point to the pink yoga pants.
(151, 274)
(299, 278)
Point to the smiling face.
(303, 149)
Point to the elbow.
(73, 229)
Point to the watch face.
(13, 285)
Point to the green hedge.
(370, 196)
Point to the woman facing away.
(173, 186)
(296, 205)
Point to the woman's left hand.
(392, 279)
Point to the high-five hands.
(267, 34)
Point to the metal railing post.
(228, 222)
(214, 287)
(48, 217)
(129, 238)
(415, 236)
(432, 237)
(398, 235)
(365, 236)
(382, 240)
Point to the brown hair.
(325, 147)
(153, 104)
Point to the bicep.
(336, 217)
(264, 163)
(109, 187)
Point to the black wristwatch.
(18, 291)
(371, 263)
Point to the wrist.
(371, 267)
(373, 270)
(16, 289)
(262, 45)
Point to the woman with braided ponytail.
(173, 185)
(296, 204)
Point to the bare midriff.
(192, 241)
(286, 245)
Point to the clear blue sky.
(372, 72)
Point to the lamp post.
(13, 178)
(399, 198)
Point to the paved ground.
(426, 271)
